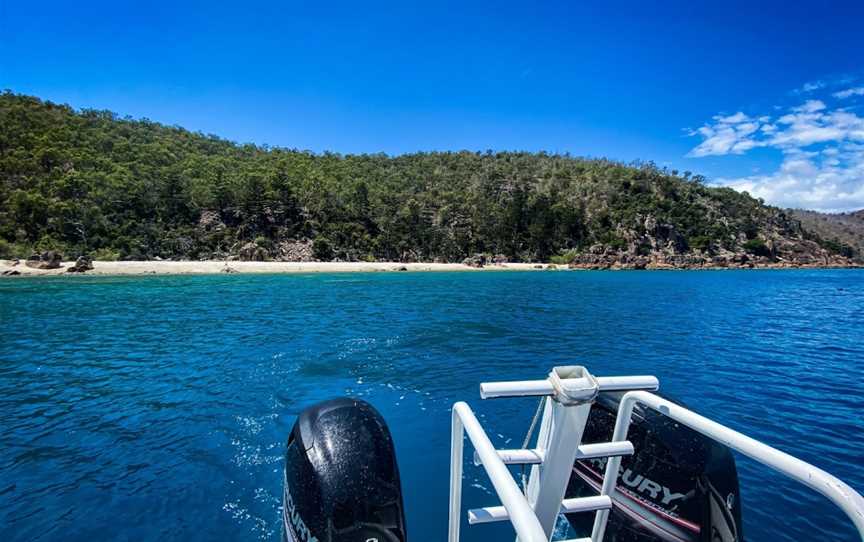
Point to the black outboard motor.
(678, 486)
(341, 478)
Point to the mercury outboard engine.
(678, 486)
(341, 478)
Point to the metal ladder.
(570, 391)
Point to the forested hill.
(92, 182)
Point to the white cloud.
(727, 135)
(824, 183)
(732, 119)
(822, 149)
(809, 125)
(849, 92)
(810, 106)
(811, 86)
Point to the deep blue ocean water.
(157, 408)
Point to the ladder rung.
(516, 457)
(605, 449)
(586, 504)
(488, 514)
(491, 514)
(586, 451)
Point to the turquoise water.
(157, 408)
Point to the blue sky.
(627, 80)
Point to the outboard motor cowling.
(341, 478)
(679, 485)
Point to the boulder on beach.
(477, 260)
(50, 259)
(82, 264)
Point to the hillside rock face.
(210, 221)
(649, 244)
(295, 251)
(845, 231)
(250, 252)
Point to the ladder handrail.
(837, 491)
(520, 509)
(520, 513)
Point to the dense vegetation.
(90, 181)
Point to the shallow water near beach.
(157, 408)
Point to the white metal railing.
(527, 388)
(570, 392)
(533, 514)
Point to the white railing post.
(559, 439)
(613, 465)
(564, 417)
(456, 447)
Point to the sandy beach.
(216, 267)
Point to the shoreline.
(216, 267)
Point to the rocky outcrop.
(295, 251)
(82, 264)
(251, 252)
(49, 259)
(806, 253)
(726, 260)
(649, 244)
(609, 259)
(843, 230)
(286, 251)
(500, 259)
(210, 221)
(477, 260)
